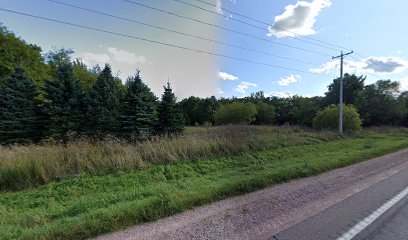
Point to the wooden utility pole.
(341, 56)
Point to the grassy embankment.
(89, 204)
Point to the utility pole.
(341, 56)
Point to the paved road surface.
(320, 207)
(341, 217)
(394, 227)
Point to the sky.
(283, 48)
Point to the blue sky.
(373, 28)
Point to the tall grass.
(88, 206)
(27, 166)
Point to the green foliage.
(58, 58)
(103, 105)
(88, 206)
(20, 117)
(199, 111)
(86, 76)
(329, 118)
(15, 52)
(171, 120)
(265, 113)
(64, 103)
(352, 85)
(30, 166)
(379, 104)
(139, 111)
(303, 110)
(283, 107)
(236, 112)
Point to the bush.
(235, 112)
(265, 113)
(329, 118)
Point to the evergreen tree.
(20, 118)
(103, 105)
(171, 121)
(64, 103)
(139, 115)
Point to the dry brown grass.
(27, 166)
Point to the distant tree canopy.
(54, 95)
(381, 104)
(303, 110)
(265, 113)
(199, 111)
(235, 113)
(353, 86)
(16, 53)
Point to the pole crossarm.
(343, 54)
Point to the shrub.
(235, 112)
(329, 118)
(265, 113)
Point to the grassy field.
(90, 205)
(27, 166)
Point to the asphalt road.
(343, 216)
(395, 227)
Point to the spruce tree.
(139, 111)
(103, 105)
(171, 120)
(64, 103)
(20, 118)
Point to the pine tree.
(20, 118)
(103, 105)
(139, 111)
(171, 121)
(64, 103)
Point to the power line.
(182, 33)
(268, 24)
(153, 41)
(223, 28)
(249, 24)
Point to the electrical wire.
(268, 24)
(223, 28)
(152, 41)
(249, 24)
(181, 33)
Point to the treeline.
(378, 104)
(51, 95)
(63, 110)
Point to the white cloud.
(404, 84)
(227, 77)
(279, 94)
(94, 58)
(218, 7)
(298, 19)
(125, 57)
(289, 80)
(374, 65)
(241, 88)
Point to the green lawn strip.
(92, 205)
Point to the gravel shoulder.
(264, 213)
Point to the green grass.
(29, 166)
(90, 205)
